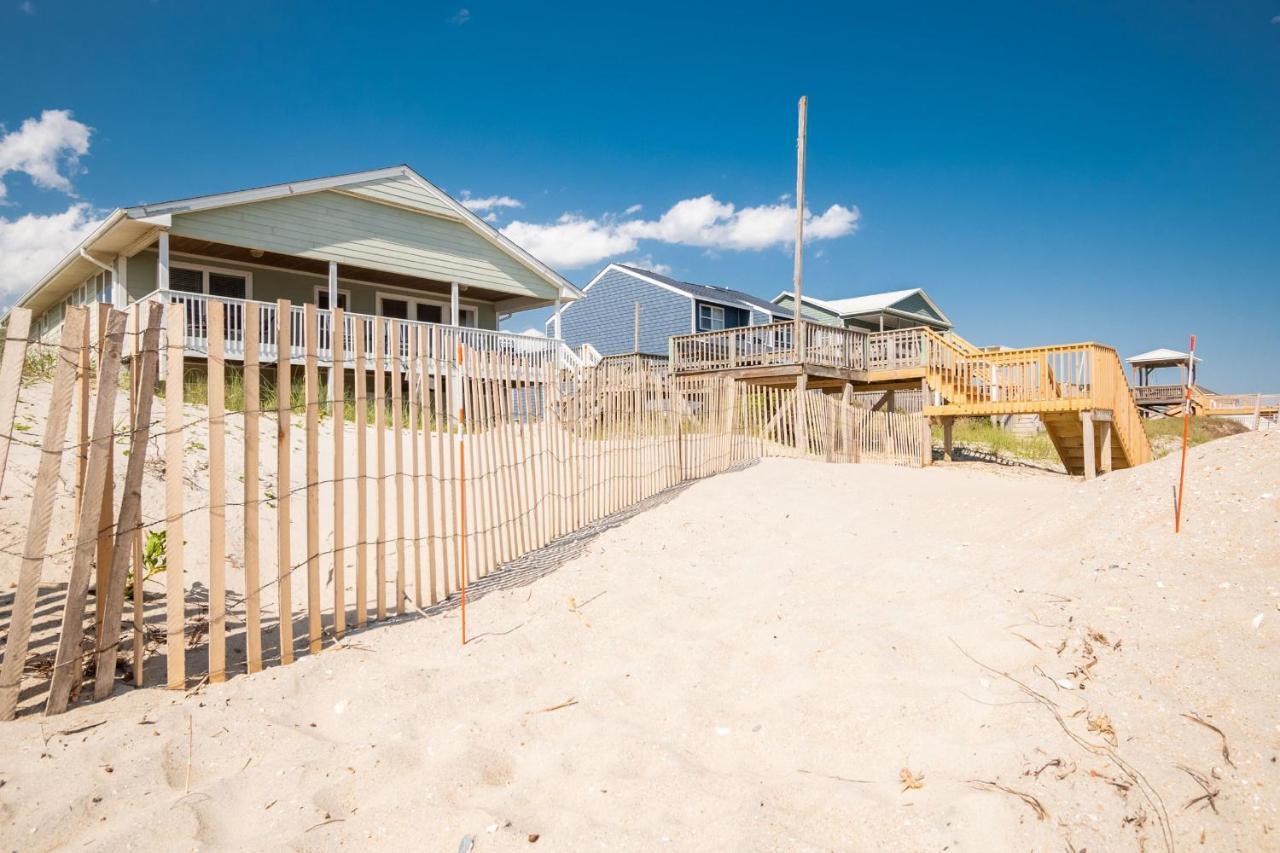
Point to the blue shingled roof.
(710, 293)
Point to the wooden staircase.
(1078, 390)
(1066, 431)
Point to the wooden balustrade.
(897, 349)
(1159, 393)
(766, 346)
(196, 334)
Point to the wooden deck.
(1067, 385)
(1170, 399)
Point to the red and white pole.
(1186, 433)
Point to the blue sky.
(1049, 172)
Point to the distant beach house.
(384, 243)
(605, 316)
(877, 312)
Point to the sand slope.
(752, 664)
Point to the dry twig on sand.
(1226, 753)
(565, 704)
(910, 781)
(1134, 775)
(1210, 794)
(1036, 805)
(836, 778)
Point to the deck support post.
(846, 420)
(948, 422)
(1089, 449)
(802, 430)
(555, 318)
(926, 434)
(453, 303)
(1257, 412)
(1104, 451)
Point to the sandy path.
(752, 663)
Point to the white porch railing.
(196, 333)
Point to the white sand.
(753, 663)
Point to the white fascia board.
(205, 202)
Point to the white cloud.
(30, 245)
(574, 241)
(489, 202)
(42, 148)
(461, 17)
(634, 209)
(1276, 19)
(647, 263)
(26, 7)
(571, 241)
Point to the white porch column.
(162, 285)
(453, 303)
(120, 283)
(162, 265)
(333, 329)
(555, 324)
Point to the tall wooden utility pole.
(798, 280)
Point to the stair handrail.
(1088, 372)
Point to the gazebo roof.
(1162, 356)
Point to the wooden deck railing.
(1241, 402)
(196, 333)
(768, 345)
(1159, 394)
(898, 349)
(1041, 379)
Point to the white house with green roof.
(877, 312)
(382, 243)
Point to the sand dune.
(751, 665)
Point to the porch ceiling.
(223, 251)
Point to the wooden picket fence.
(831, 427)
(364, 486)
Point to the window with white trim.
(424, 310)
(710, 318)
(322, 298)
(227, 284)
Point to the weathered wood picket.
(359, 488)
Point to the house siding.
(404, 192)
(605, 316)
(340, 227)
(810, 312)
(915, 304)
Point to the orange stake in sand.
(462, 498)
(1186, 433)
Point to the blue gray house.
(605, 315)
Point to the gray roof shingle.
(711, 293)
